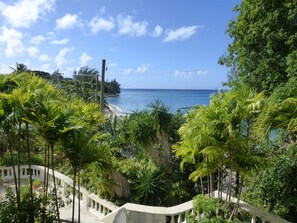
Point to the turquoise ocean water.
(138, 99)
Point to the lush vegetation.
(39, 120)
(242, 145)
(263, 52)
(84, 83)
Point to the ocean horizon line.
(175, 89)
(138, 99)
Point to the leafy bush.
(42, 209)
(211, 210)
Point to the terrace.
(95, 209)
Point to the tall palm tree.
(214, 136)
(11, 119)
(163, 123)
(49, 121)
(79, 140)
(21, 99)
(20, 68)
(280, 112)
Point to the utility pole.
(97, 88)
(102, 86)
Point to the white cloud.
(5, 69)
(201, 72)
(157, 31)
(128, 27)
(24, 13)
(32, 51)
(180, 34)
(26, 63)
(183, 74)
(142, 68)
(102, 10)
(68, 21)
(50, 35)
(13, 40)
(44, 57)
(60, 59)
(189, 74)
(127, 71)
(37, 39)
(45, 67)
(84, 59)
(98, 24)
(60, 42)
(8, 34)
(112, 49)
(111, 65)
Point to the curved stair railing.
(107, 212)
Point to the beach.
(115, 110)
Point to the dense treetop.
(263, 53)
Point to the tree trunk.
(208, 188)
(55, 186)
(219, 183)
(78, 186)
(48, 168)
(235, 209)
(73, 193)
(201, 185)
(45, 175)
(18, 163)
(13, 170)
(211, 185)
(31, 213)
(228, 196)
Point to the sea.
(131, 100)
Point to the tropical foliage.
(37, 118)
(245, 143)
(242, 144)
(213, 210)
(263, 52)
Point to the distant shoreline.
(116, 110)
(176, 100)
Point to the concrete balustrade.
(134, 213)
(97, 206)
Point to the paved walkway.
(65, 212)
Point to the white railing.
(107, 211)
(177, 214)
(92, 203)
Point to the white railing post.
(253, 219)
(65, 187)
(179, 220)
(88, 202)
(172, 219)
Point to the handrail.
(107, 211)
(99, 207)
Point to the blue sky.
(167, 44)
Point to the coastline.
(115, 110)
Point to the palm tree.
(79, 140)
(87, 80)
(140, 131)
(20, 68)
(162, 123)
(49, 121)
(280, 112)
(213, 135)
(11, 119)
(21, 98)
(37, 101)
